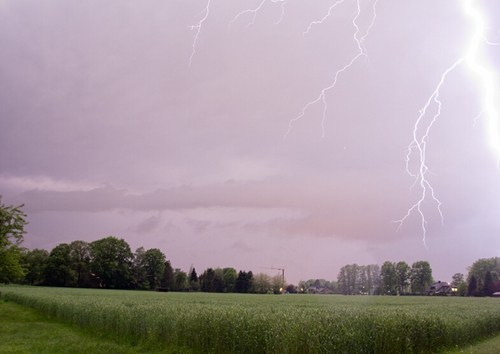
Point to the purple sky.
(107, 130)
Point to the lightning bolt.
(197, 27)
(254, 11)
(419, 144)
(361, 53)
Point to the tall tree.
(111, 262)
(80, 262)
(35, 261)
(278, 283)
(139, 270)
(167, 280)
(262, 283)
(488, 287)
(154, 264)
(229, 275)
(421, 277)
(471, 286)
(481, 266)
(388, 279)
(457, 279)
(58, 268)
(244, 282)
(180, 280)
(403, 276)
(12, 222)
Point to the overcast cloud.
(106, 129)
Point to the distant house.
(441, 288)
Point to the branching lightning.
(361, 53)
(198, 30)
(417, 149)
(254, 12)
(419, 144)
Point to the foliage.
(471, 286)
(58, 270)
(421, 277)
(111, 262)
(388, 279)
(35, 261)
(480, 267)
(167, 280)
(244, 282)
(12, 222)
(219, 323)
(457, 279)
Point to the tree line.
(390, 279)
(110, 263)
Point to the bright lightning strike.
(419, 144)
(361, 53)
(198, 30)
(486, 77)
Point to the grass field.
(233, 323)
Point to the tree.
(167, 280)
(58, 268)
(206, 280)
(194, 285)
(483, 265)
(111, 262)
(229, 275)
(35, 261)
(262, 283)
(488, 287)
(244, 282)
(403, 277)
(388, 279)
(139, 270)
(278, 284)
(421, 277)
(471, 286)
(457, 279)
(154, 266)
(12, 222)
(80, 262)
(180, 280)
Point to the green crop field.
(244, 323)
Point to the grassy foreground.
(24, 330)
(231, 323)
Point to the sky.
(180, 127)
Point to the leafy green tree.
(80, 262)
(154, 264)
(229, 276)
(421, 277)
(111, 262)
(35, 261)
(388, 279)
(194, 285)
(403, 276)
(462, 288)
(483, 265)
(206, 280)
(139, 270)
(167, 280)
(488, 287)
(262, 283)
(12, 222)
(278, 284)
(180, 280)
(244, 282)
(457, 279)
(58, 268)
(471, 286)
(218, 281)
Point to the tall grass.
(232, 323)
